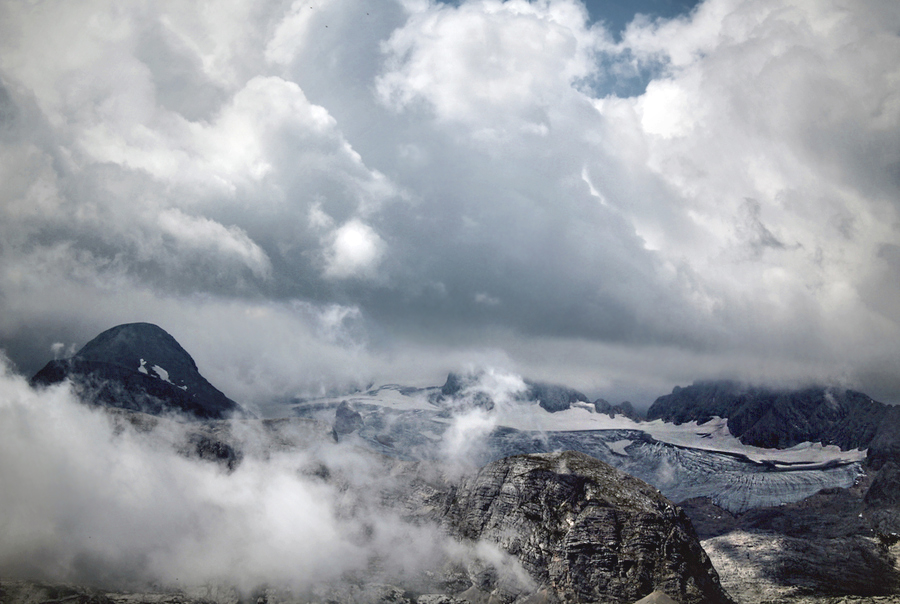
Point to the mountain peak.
(137, 345)
(139, 366)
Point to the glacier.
(682, 461)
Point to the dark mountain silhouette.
(774, 418)
(140, 367)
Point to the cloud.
(89, 499)
(762, 111)
(486, 399)
(355, 251)
(419, 162)
(90, 505)
(487, 63)
(204, 234)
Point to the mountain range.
(774, 486)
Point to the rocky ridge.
(774, 418)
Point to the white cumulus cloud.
(355, 251)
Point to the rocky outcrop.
(460, 386)
(140, 367)
(553, 397)
(657, 597)
(773, 418)
(346, 421)
(829, 514)
(583, 529)
(624, 408)
(831, 543)
(27, 592)
(766, 567)
(882, 502)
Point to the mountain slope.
(771, 418)
(140, 367)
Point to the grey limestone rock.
(585, 530)
(885, 445)
(767, 567)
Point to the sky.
(311, 196)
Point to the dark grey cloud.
(335, 192)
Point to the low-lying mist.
(91, 499)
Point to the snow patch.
(389, 396)
(618, 446)
(162, 373)
(715, 436)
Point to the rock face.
(583, 529)
(140, 367)
(765, 567)
(885, 445)
(624, 408)
(346, 421)
(779, 419)
(552, 397)
(828, 544)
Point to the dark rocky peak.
(584, 530)
(699, 402)
(140, 367)
(144, 347)
(456, 383)
(554, 397)
(624, 408)
(776, 418)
